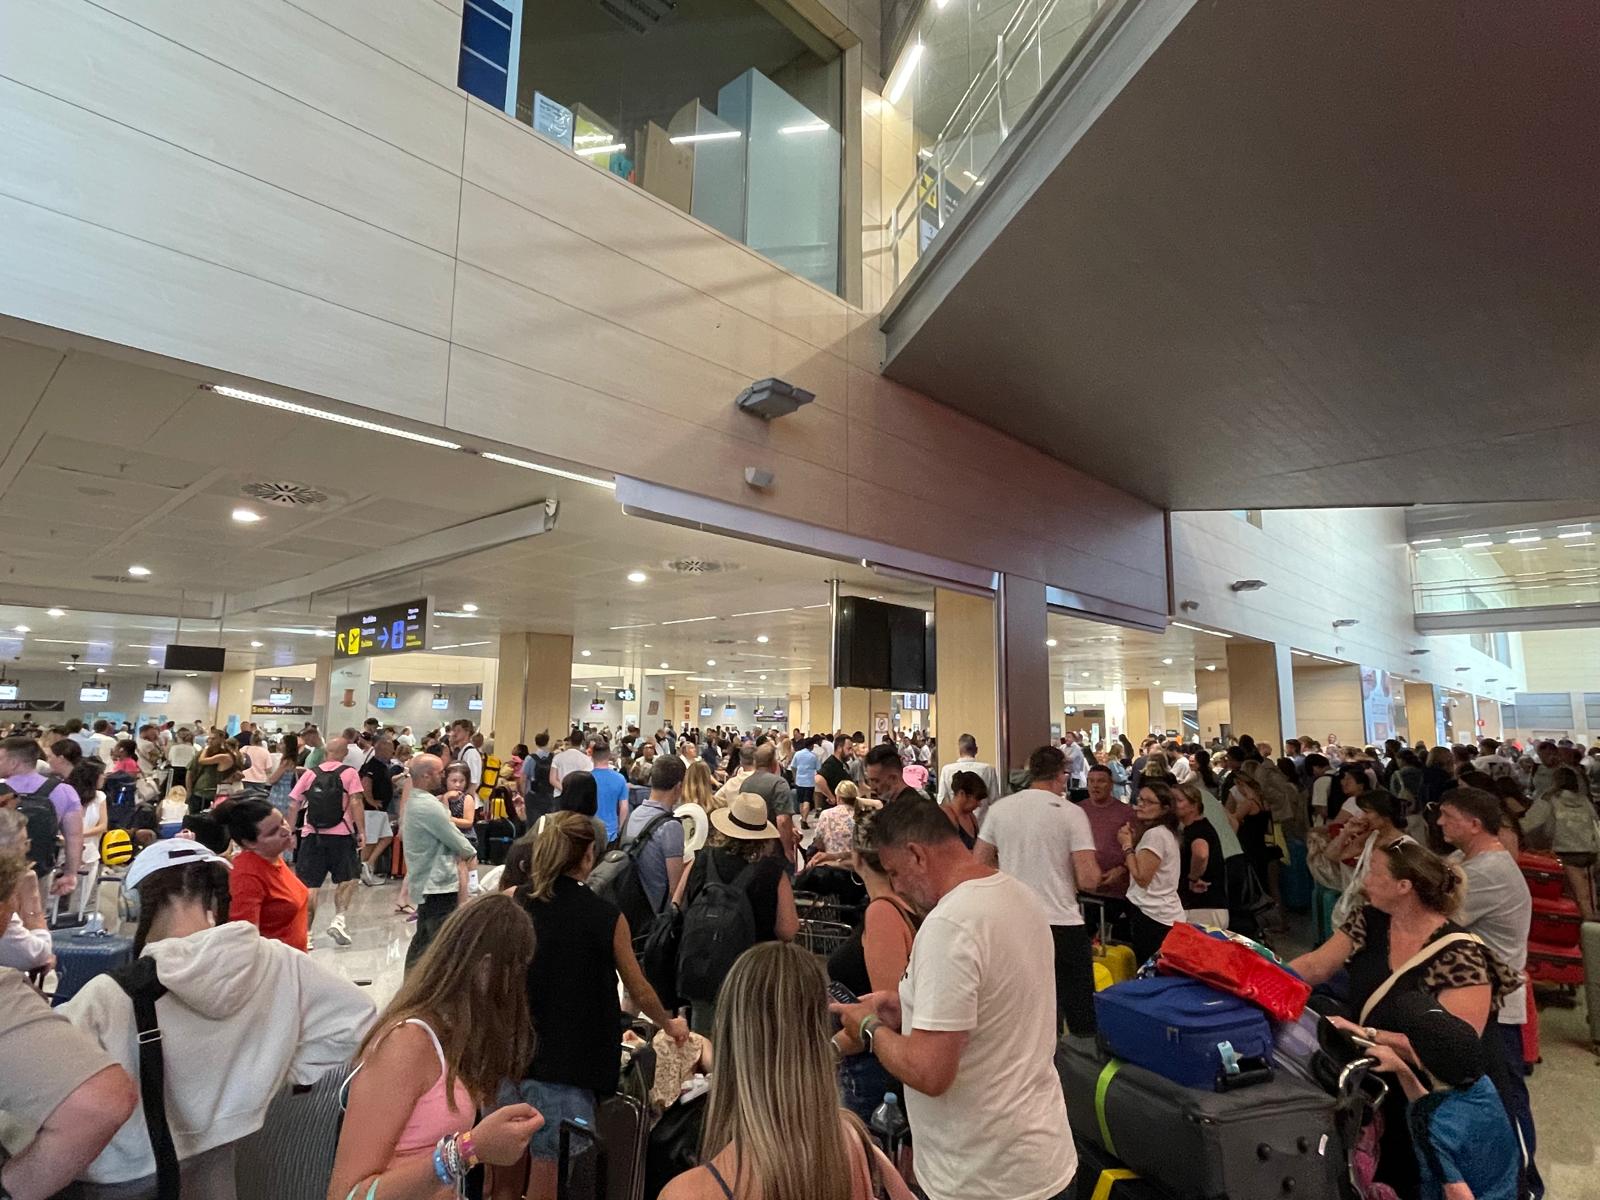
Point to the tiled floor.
(377, 956)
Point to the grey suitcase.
(291, 1156)
(1264, 1142)
(1590, 938)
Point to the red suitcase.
(1530, 1034)
(1555, 964)
(1544, 875)
(1555, 923)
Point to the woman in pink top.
(457, 1027)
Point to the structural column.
(1211, 699)
(231, 693)
(1261, 691)
(964, 659)
(533, 689)
(1024, 669)
(1489, 720)
(1422, 714)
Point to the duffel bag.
(1235, 969)
(1193, 1034)
(1262, 1143)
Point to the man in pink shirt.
(325, 806)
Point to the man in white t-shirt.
(463, 751)
(1077, 762)
(569, 760)
(967, 749)
(971, 1034)
(1045, 840)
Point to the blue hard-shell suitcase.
(82, 954)
(1185, 1031)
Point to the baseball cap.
(172, 852)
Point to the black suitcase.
(1265, 1142)
(82, 954)
(604, 1161)
(1102, 1177)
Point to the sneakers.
(367, 877)
(338, 932)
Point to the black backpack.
(616, 877)
(325, 799)
(541, 796)
(43, 824)
(718, 926)
(122, 796)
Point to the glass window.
(716, 106)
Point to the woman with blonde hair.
(426, 1066)
(698, 786)
(836, 826)
(583, 943)
(773, 1128)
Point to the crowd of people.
(667, 881)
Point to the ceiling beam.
(415, 554)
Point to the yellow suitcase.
(1118, 963)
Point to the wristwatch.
(869, 1024)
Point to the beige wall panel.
(521, 245)
(1211, 697)
(821, 712)
(1421, 714)
(1260, 691)
(533, 687)
(523, 326)
(61, 272)
(511, 160)
(291, 50)
(87, 56)
(1327, 700)
(964, 646)
(425, 35)
(490, 397)
(63, 158)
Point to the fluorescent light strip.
(1301, 653)
(645, 625)
(1576, 534)
(808, 127)
(1477, 545)
(1334, 661)
(1520, 541)
(608, 484)
(1197, 629)
(825, 604)
(688, 620)
(767, 612)
(908, 67)
(1426, 541)
(611, 149)
(234, 393)
(719, 135)
(1530, 549)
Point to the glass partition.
(968, 74)
(716, 106)
(1520, 570)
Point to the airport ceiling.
(1311, 255)
(110, 465)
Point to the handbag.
(1232, 968)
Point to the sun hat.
(158, 856)
(745, 818)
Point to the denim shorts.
(556, 1102)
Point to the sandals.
(408, 909)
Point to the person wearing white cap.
(240, 1016)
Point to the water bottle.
(889, 1125)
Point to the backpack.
(43, 824)
(1283, 799)
(718, 927)
(122, 797)
(537, 772)
(616, 877)
(325, 799)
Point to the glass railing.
(1468, 595)
(715, 106)
(1039, 38)
(1527, 571)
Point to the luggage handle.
(1250, 1071)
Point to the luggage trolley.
(821, 937)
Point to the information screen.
(391, 629)
(94, 694)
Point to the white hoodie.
(243, 1016)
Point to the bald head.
(336, 748)
(426, 771)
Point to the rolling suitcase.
(1102, 1177)
(1186, 1031)
(84, 953)
(1118, 961)
(291, 1156)
(1591, 973)
(1262, 1143)
(603, 1161)
(1555, 923)
(1546, 880)
(1555, 964)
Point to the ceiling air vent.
(285, 494)
(640, 16)
(697, 566)
(118, 579)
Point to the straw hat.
(745, 818)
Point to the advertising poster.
(1377, 704)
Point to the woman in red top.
(263, 889)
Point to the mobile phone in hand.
(841, 994)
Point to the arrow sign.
(383, 637)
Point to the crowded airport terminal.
(799, 600)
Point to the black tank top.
(848, 964)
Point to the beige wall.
(532, 688)
(965, 649)
(1211, 695)
(1421, 713)
(1261, 691)
(1327, 700)
(284, 181)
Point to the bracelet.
(439, 1168)
(469, 1152)
(864, 1031)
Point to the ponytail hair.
(1439, 886)
(557, 850)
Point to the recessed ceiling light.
(189, 674)
(1155, 683)
(1166, 662)
(469, 608)
(762, 638)
(55, 612)
(585, 653)
(23, 629)
(1050, 642)
(246, 516)
(637, 577)
(1086, 674)
(138, 572)
(1211, 666)
(255, 645)
(149, 662)
(70, 667)
(99, 670)
(664, 666)
(762, 677)
(711, 662)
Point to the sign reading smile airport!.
(391, 629)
